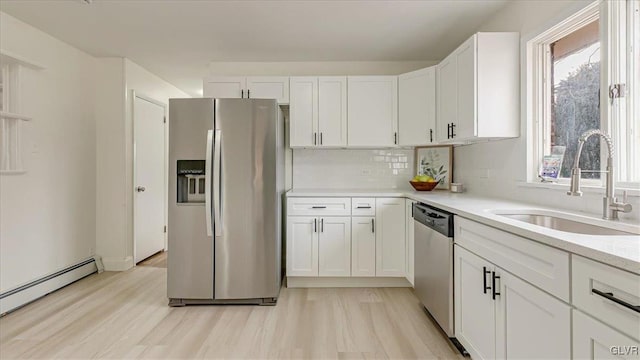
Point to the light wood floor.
(125, 315)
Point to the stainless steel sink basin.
(567, 222)
(560, 224)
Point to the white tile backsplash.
(367, 169)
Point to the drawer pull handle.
(318, 207)
(363, 207)
(609, 296)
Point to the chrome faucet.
(610, 205)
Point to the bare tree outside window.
(575, 103)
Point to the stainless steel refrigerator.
(226, 179)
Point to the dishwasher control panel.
(434, 218)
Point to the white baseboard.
(22, 295)
(117, 264)
(319, 282)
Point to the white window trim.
(536, 87)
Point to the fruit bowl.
(423, 185)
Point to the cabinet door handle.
(363, 207)
(430, 135)
(494, 291)
(318, 207)
(321, 138)
(315, 138)
(321, 225)
(609, 296)
(373, 226)
(484, 279)
(452, 128)
(242, 93)
(395, 138)
(315, 225)
(248, 94)
(448, 131)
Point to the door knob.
(140, 189)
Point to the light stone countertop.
(619, 251)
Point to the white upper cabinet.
(268, 87)
(478, 87)
(372, 111)
(332, 111)
(303, 112)
(255, 87)
(318, 111)
(417, 107)
(225, 87)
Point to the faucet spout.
(611, 206)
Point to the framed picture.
(436, 161)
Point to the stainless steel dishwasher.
(433, 229)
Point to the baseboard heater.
(22, 295)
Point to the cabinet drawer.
(363, 206)
(594, 340)
(319, 206)
(541, 265)
(590, 278)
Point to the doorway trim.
(135, 95)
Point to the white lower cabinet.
(349, 237)
(410, 259)
(475, 311)
(334, 246)
(500, 316)
(390, 237)
(302, 246)
(318, 246)
(594, 340)
(527, 317)
(363, 246)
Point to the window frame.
(538, 88)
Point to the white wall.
(118, 78)
(351, 169)
(505, 161)
(110, 232)
(47, 216)
(149, 85)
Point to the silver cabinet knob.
(140, 189)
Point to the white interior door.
(149, 179)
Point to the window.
(571, 68)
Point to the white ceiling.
(177, 39)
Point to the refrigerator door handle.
(217, 201)
(207, 183)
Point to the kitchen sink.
(562, 222)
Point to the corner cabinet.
(251, 87)
(318, 111)
(417, 107)
(478, 87)
(372, 111)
